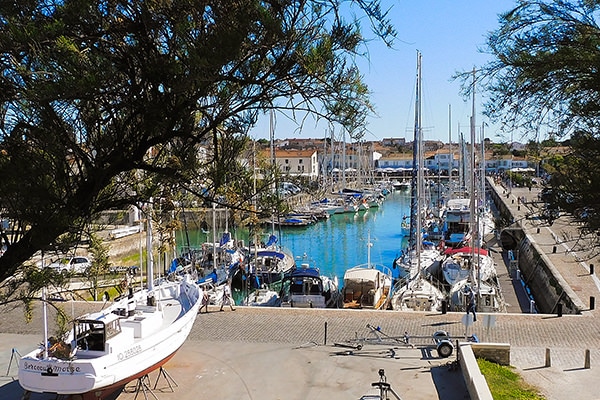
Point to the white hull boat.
(488, 297)
(366, 286)
(460, 264)
(105, 350)
(263, 297)
(418, 295)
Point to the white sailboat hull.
(147, 340)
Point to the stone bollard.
(559, 309)
(548, 363)
(586, 363)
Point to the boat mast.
(474, 231)
(413, 238)
(149, 255)
(420, 167)
(450, 156)
(274, 186)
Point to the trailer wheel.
(445, 348)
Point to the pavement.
(282, 353)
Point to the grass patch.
(504, 383)
(130, 259)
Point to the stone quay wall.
(552, 294)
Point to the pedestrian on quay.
(227, 296)
(205, 300)
(471, 305)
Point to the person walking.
(205, 300)
(471, 305)
(227, 298)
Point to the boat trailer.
(441, 340)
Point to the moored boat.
(305, 287)
(488, 296)
(465, 262)
(418, 295)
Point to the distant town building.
(394, 142)
(298, 162)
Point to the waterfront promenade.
(253, 353)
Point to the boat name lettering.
(49, 368)
(129, 352)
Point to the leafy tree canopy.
(544, 71)
(105, 103)
(545, 66)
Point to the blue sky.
(449, 34)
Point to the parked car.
(75, 265)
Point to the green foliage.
(106, 105)
(545, 72)
(504, 383)
(519, 180)
(575, 181)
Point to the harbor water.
(341, 241)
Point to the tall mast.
(473, 226)
(450, 156)
(274, 185)
(415, 222)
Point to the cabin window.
(90, 335)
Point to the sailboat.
(471, 266)
(137, 334)
(417, 293)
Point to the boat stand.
(144, 384)
(165, 374)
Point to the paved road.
(256, 349)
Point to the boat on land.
(137, 334)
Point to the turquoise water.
(340, 242)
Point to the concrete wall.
(537, 271)
(494, 352)
(547, 285)
(474, 379)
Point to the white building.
(298, 162)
